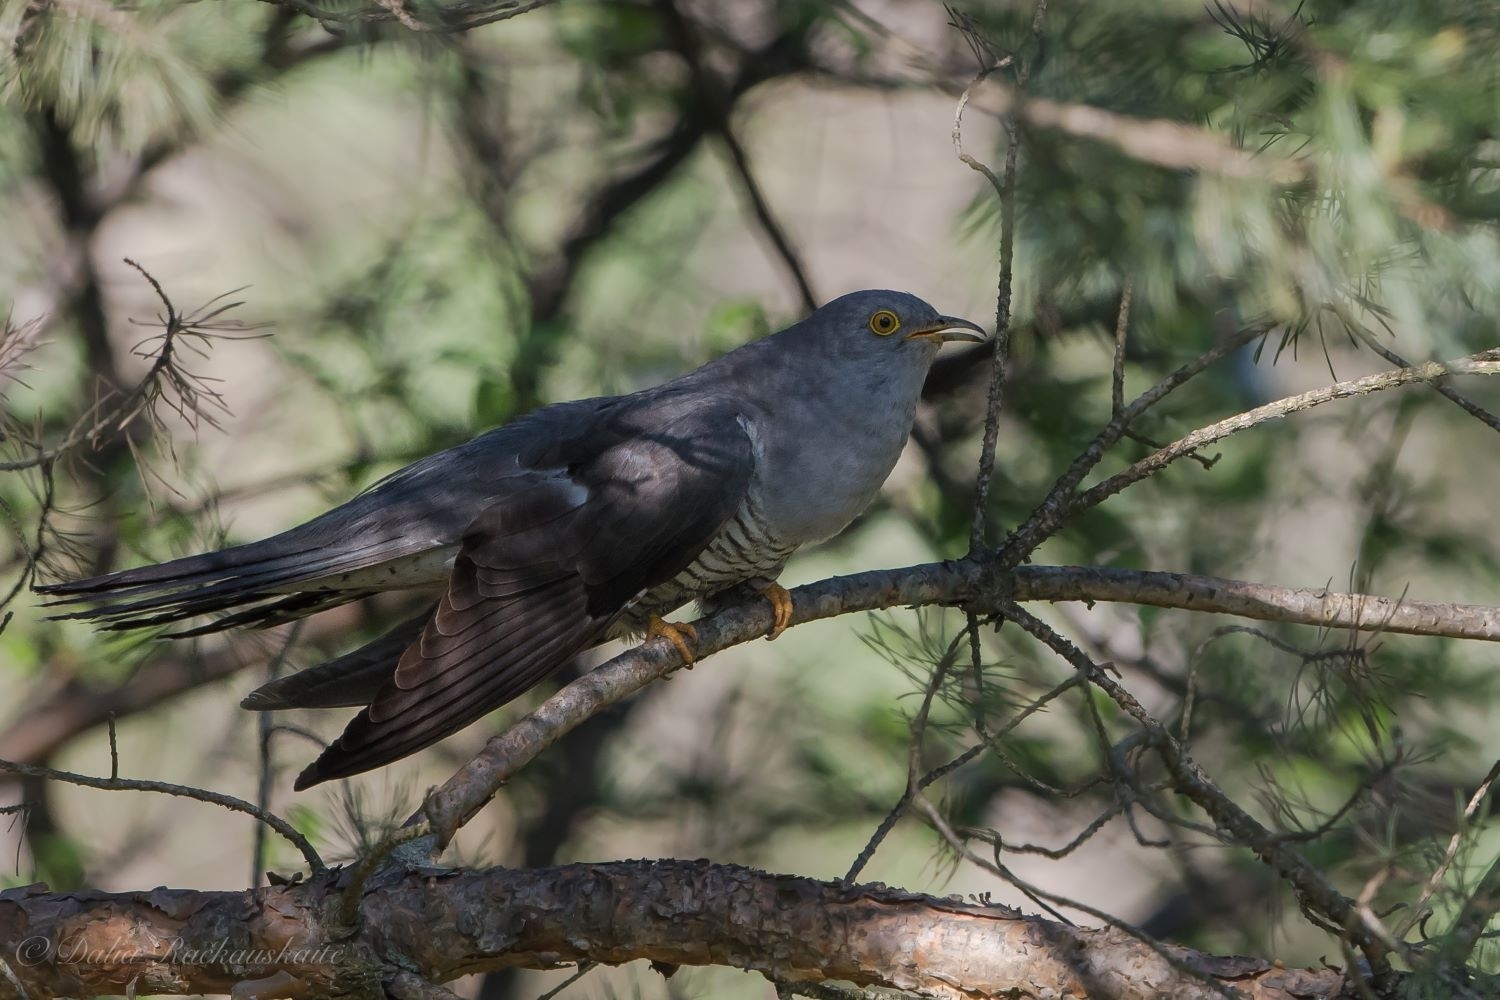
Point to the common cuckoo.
(579, 522)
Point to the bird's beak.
(949, 328)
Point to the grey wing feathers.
(460, 668)
(543, 573)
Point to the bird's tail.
(355, 549)
(263, 583)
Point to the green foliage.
(447, 233)
(121, 78)
(1372, 100)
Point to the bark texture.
(287, 941)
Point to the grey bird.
(579, 522)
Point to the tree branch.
(1314, 890)
(440, 926)
(115, 783)
(965, 583)
(463, 15)
(1157, 141)
(1266, 602)
(1441, 387)
(1006, 191)
(713, 111)
(1056, 507)
(1483, 363)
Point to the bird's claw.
(781, 607)
(680, 634)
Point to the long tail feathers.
(253, 578)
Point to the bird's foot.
(680, 634)
(781, 607)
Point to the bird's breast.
(812, 483)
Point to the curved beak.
(949, 328)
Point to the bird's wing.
(348, 681)
(543, 572)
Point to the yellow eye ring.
(884, 323)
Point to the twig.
(1054, 509)
(1474, 916)
(989, 742)
(958, 129)
(1157, 141)
(116, 784)
(1483, 363)
(914, 777)
(1153, 444)
(266, 729)
(584, 968)
(1186, 969)
(1055, 853)
(1000, 358)
(114, 753)
(1122, 325)
(1447, 391)
(1314, 892)
(115, 411)
(1419, 908)
(1261, 601)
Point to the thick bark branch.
(284, 941)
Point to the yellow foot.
(680, 634)
(781, 606)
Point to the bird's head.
(879, 323)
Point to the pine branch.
(1160, 142)
(115, 783)
(464, 15)
(965, 583)
(282, 941)
(1318, 607)
(1483, 363)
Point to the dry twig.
(230, 802)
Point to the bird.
(579, 522)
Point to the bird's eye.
(884, 323)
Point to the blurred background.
(432, 232)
